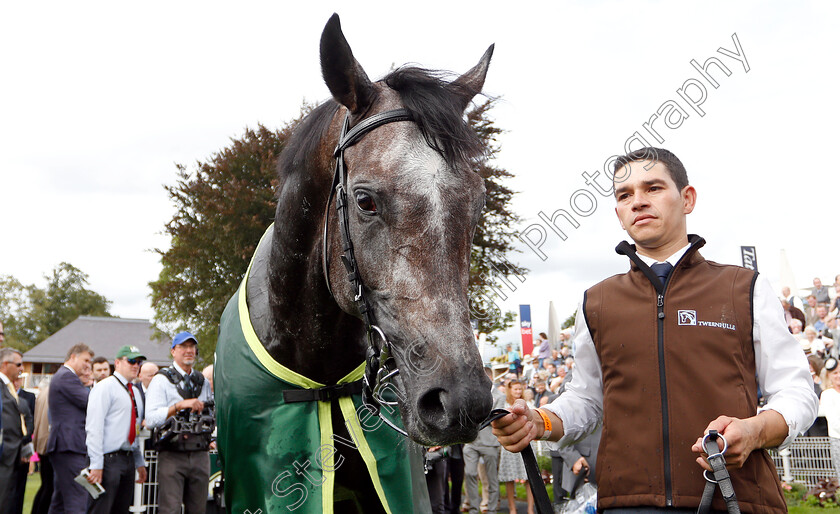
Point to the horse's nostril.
(430, 406)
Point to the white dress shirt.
(781, 370)
(162, 394)
(108, 420)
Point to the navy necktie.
(662, 270)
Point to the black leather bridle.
(380, 366)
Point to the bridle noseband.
(380, 366)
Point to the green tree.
(492, 276)
(224, 206)
(31, 314)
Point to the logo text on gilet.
(689, 317)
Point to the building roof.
(104, 336)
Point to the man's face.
(184, 353)
(128, 367)
(101, 371)
(821, 312)
(79, 362)
(812, 301)
(13, 367)
(147, 372)
(86, 376)
(650, 207)
(540, 387)
(786, 291)
(817, 283)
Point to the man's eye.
(365, 203)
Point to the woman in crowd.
(830, 408)
(511, 465)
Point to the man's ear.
(689, 195)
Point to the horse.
(354, 310)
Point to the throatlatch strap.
(721, 477)
(323, 394)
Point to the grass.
(33, 483)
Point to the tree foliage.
(492, 276)
(31, 314)
(222, 209)
(225, 204)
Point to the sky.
(101, 100)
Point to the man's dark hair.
(100, 360)
(665, 157)
(76, 349)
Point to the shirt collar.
(178, 369)
(71, 369)
(5, 379)
(672, 260)
(121, 378)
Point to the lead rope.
(541, 499)
(721, 476)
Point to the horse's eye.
(365, 203)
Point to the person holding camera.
(183, 461)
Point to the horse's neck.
(295, 319)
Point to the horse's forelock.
(437, 111)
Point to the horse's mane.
(435, 105)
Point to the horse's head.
(414, 203)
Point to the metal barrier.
(805, 461)
(146, 494)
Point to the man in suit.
(17, 424)
(18, 486)
(66, 445)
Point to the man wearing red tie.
(114, 412)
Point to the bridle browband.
(380, 366)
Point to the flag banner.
(526, 330)
(748, 257)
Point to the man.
(66, 444)
(485, 447)
(811, 310)
(662, 357)
(544, 348)
(101, 369)
(208, 375)
(792, 300)
(821, 292)
(17, 425)
(18, 486)
(113, 420)
(147, 372)
(184, 466)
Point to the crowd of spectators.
(82, 419)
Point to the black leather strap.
(541, 499)
(720, 475)
(323, 394)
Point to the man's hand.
(743, 436)
(580, 464)
(193, 404)
(518, 428)
(141, 474)
(95, 476)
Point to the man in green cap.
(114, 412)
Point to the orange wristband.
(546, 425)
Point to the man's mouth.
(643, 219)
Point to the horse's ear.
(347, 81)
(470, 83)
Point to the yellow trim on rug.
(349, 411)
